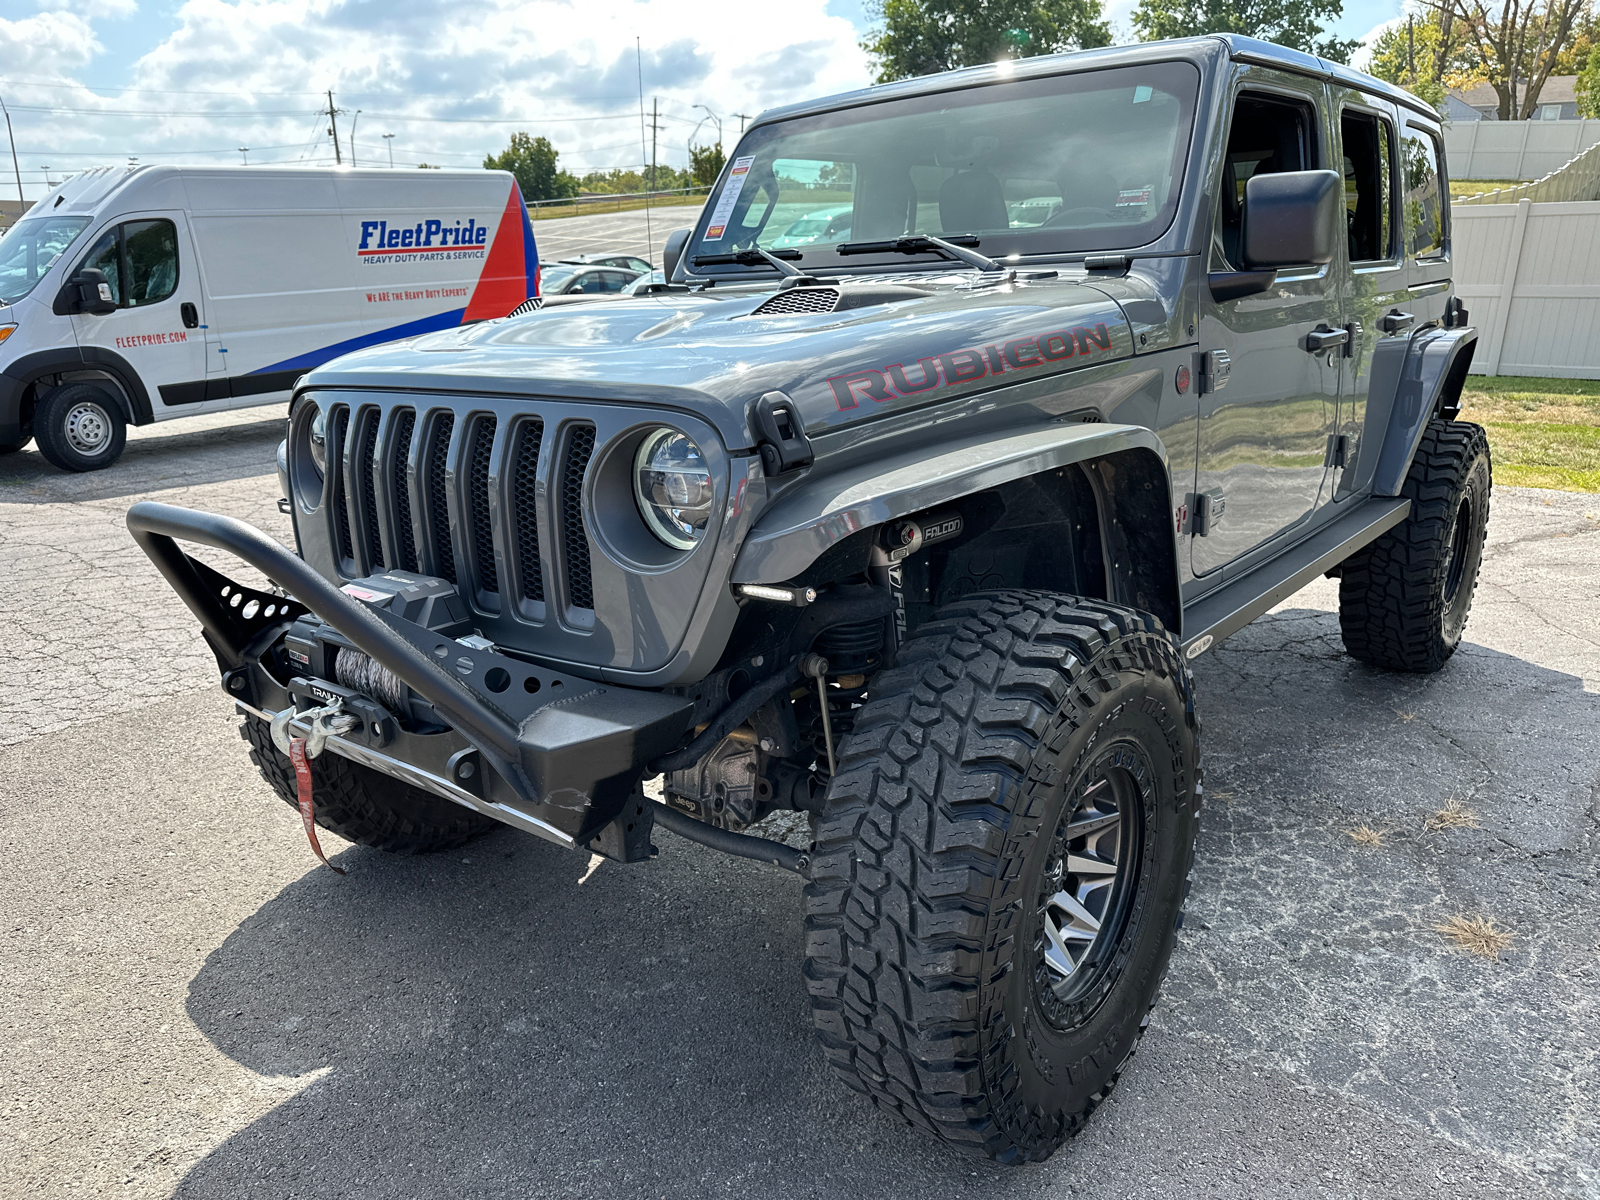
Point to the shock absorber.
(854, 652)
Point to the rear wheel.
(1001, 869)
(366, 806)
(79, 427)
(1404, 600)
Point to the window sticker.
(1135, 197)
(730, 196)
(1141, 94)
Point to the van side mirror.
(89, 291)
(1291, 218)
(672, 252)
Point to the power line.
(150, 112)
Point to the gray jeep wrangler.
(973, 407)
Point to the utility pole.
(389, 137)
(655, 128)
(743, 117)
(333, 129)
(15, 169)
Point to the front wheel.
(1002, 865)
(79, 427)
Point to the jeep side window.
(140, 261)
(1269, 134)
(1368, 203)
(1424, 218)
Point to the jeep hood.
(872, 346)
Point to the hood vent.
(799, 300)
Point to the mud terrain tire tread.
(1391, 594)
(365, 806)
(917, 866)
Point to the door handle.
(191, 316)
(1394, 321)
(1323, 338)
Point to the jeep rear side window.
(1424, 218)
(1368, 171)
(1088, 161)
(1269, 134)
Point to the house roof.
(1558, 89)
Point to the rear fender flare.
(1126, 463)
(1414, 388)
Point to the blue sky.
(98, 81)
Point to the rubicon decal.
(432, 238)
(963, 366)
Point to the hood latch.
(779, 435)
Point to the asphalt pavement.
(192, 1007)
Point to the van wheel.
(80, 428)
(1001, 867)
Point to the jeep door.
(1264, 428)
(1375, 274)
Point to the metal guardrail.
(593, 200)
(1577, 179)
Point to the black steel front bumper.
(553, 754)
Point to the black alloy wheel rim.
(1089, 879)
(1460, 543)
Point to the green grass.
(1471, 187)
(1542, 432)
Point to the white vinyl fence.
(1515, 149)
(1529, 275)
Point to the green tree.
(1298, 24)
(1589, 86)
(1427, 55)
(533, 161)
(1518, 44)
(922, 37)
(705, 164)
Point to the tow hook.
(325, 722)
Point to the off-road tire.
(924, 914)
(79, 427)
(365, 806)
(1404, 600)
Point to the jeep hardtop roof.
(1208, 50)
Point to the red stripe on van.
(503, 283)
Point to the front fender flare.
(824, 510)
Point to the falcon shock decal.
(880, 384)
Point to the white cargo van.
(135, 295)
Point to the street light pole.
(245, 151)
(353, 121)
(16, 169)
(389, 137)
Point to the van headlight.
(673, 487)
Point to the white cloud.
(93, 9)
(1362, 58)
(49, 45)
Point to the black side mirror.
(1291, 218)
(672, 252)
(86, 292)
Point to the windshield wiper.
(921, 243)
(753, 257)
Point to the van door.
(158, 325)
(1264, 426)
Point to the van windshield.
(1087, 161)
(30, 248)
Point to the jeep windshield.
(28, 250)
(1063, 164)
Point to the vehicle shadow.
(505, 1026)
(189, 453)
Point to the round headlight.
(319, 442)
(673, 488)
